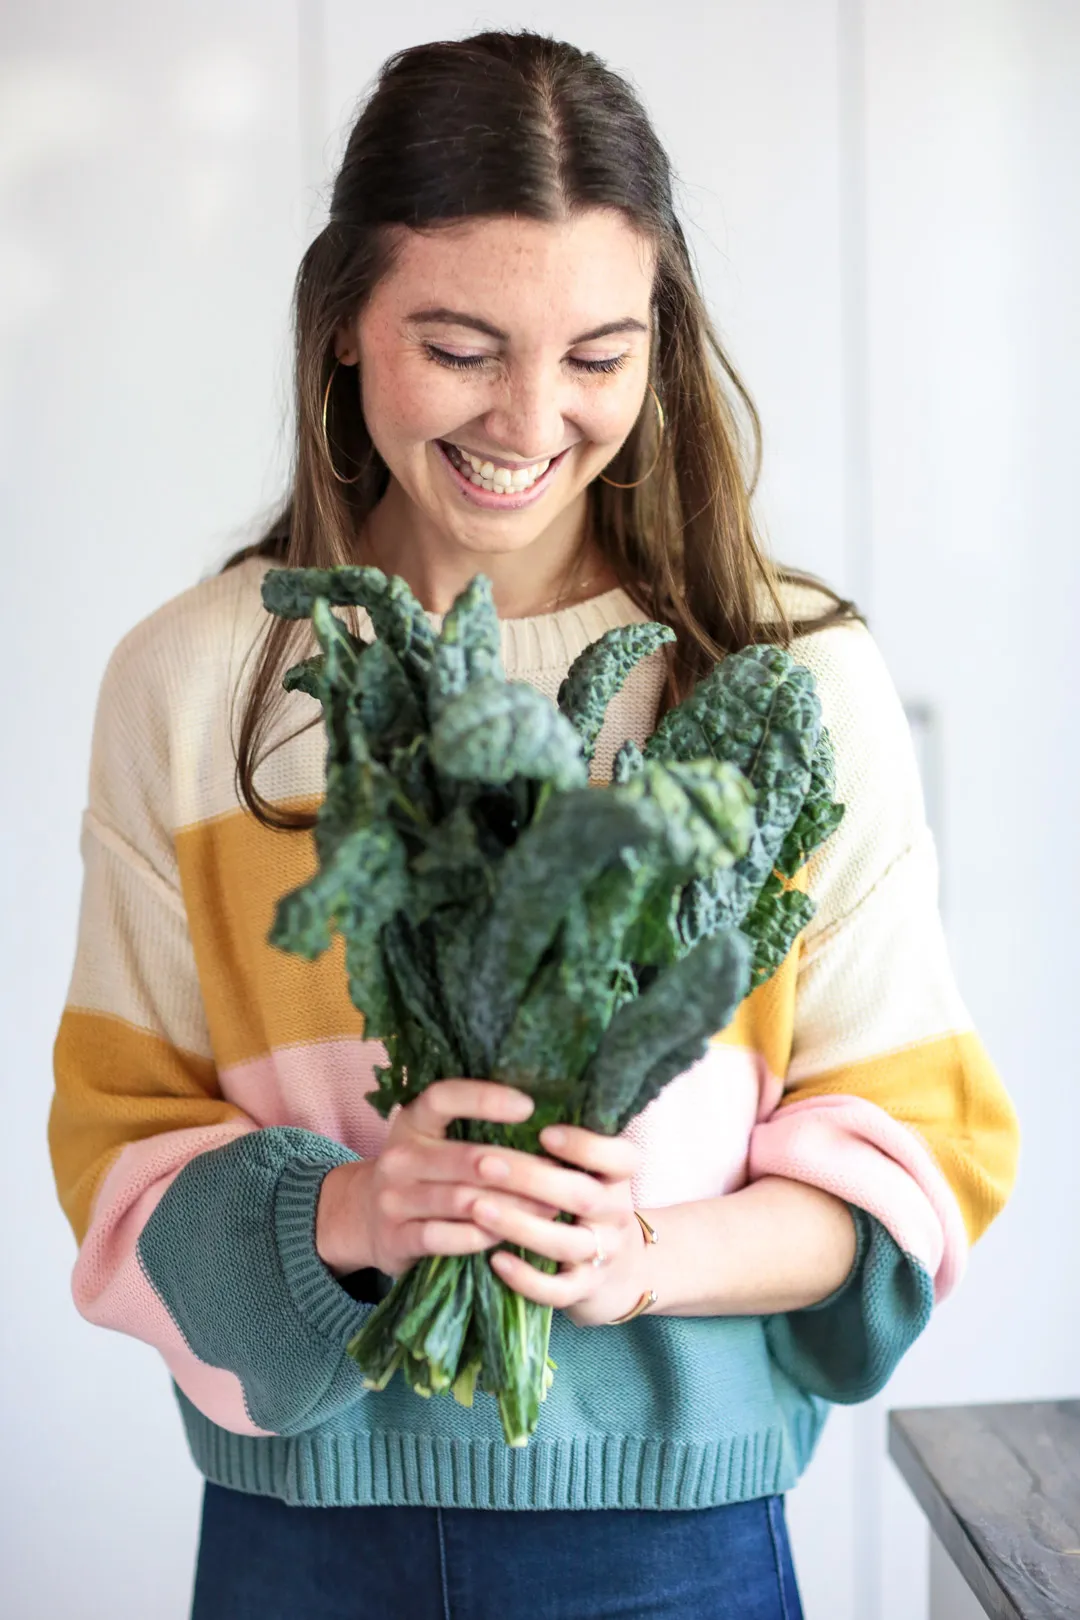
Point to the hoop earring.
(659, 447)
(326, 436)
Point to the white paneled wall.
(882, 200)
(151, 208)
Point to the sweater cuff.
(316, 1292)
(852, 1280)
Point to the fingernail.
(525, 1105)
(494, 1169)
(485, 1211)
(553, 1136)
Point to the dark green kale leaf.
(771, 925)
(819, 817)
(486, 968)
(759, 710)
(628, 761)
(384, 701)
(496, 730)
(664, 1030)
(468, 648)
(396, 616)
(358, 889)
(451, 869)
(308, 676)
(573, 995)
(703, 808)
(599, 671)
(410, 958)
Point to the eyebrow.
(457, 317)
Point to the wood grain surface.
(1000, 1486)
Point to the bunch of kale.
(505, 920)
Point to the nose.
(526, 419)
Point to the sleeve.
(196, 1228)
(890, 1101)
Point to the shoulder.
(208, 620)
(165, 698)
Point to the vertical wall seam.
(854, 313)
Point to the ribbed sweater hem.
(321, 1469)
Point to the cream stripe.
(133, 958)
(94, 827)
(882, 979)
(877, 775)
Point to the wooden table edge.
(944, 1523)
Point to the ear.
(346, 348)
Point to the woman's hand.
(597, 1191)
(415, 1199)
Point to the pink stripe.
(320, 1087)
(696, 1133)
(110, 1287)
(854, 1149)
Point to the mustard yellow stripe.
(117, 1084)
(233, 871)
(947, 1090)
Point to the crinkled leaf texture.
(497, 729)
(599, 671)
(664, 1030)
(396, 615)
(759, 710)
(468, 648)
(487, 967)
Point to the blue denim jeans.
(261, 1560)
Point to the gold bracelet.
(642, 1305)
(651, 1296)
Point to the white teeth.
(501, 480)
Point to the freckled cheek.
(404, 405)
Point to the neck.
(561, 566)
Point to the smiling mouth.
(496, 480)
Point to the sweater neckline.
(549, 642)
(558, 618)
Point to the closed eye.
(469, 362)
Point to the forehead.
(580, 271)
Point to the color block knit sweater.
(205, 1084)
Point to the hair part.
(518, 123)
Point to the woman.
(504, 364)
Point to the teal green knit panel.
(230, 1249)
(845, 1347)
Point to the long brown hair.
(516, 123)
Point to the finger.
(447, 1200)
(555, 1240)
(445, 1237)
(614, 1157)
(415, 1158)
(560, 1289)
(447, 1100)
(534, 1176)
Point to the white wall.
(882, 200)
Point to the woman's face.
(502, 364)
